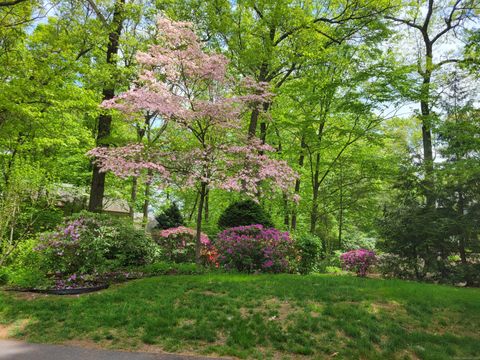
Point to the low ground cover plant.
(255, 248)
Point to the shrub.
(178, 245)
(170, 218)
(308, 247)
(330, 260)
(242, 213)
(395, 266)
(28, 278)
(94, 244)
(358, 260)
(255, 249)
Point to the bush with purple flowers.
(93, 244)
(358, 260)
(254, 248)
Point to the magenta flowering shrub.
(178, 243)
(93, 244)
(254, 248)
(358, 260)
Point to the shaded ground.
(258, 316)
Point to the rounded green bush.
(243, 213)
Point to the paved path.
(16, 350)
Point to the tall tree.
(115, 26)
(268, 39)
(434, 20)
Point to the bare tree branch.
(98, 12)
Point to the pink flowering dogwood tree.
(190, 90)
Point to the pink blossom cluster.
(254, 248)
(255, 167)
(182, 230)
(126, 161)
(358, 260)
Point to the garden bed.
(73, 291)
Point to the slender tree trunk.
(340, 213)
(133, 197)
(252, 126)
(427, 121)
(194, 207)
(97, 188)
(198, 244)
(315, 192)
(463, 235)
(146, 201)
(207, 197)
(286, 218)
(301, 160)
(340, 220)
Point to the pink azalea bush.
(358, 260)
(254, 248)
(178, 244)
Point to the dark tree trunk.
(340, 214)
(97, 188)
(427, 128)
(286, 217)
(194, 207)
(133, 197)
(252, 126)
(146, 201)
(301, 160)
(315, 192)
(198, 244)
(316, 183)
(207, 193)
(463, 235)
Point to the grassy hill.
(258, 316)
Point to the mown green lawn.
(259, 316)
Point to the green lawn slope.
(258, 316)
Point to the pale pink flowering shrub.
(358, 260)
(178, 243)
(254, 248)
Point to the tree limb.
(98, 12)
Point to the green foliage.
(308, 249)
(170, 218)
(355, 239)
(246, 212)
(28, 278)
